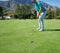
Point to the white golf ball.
(34, 25)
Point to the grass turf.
(21, 36)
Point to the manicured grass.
(21, 36)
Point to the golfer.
(41, 13)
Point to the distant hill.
(10, 5)
(5, 4)
(28, 2)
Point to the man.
(41, 13)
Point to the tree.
(17, 11)
(53, 13)
(49, 13)
(57, 13)
(23, 11)
(1, 11)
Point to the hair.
(34, 0)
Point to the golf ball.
(34, 25)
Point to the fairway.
(22, 36)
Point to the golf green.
(22, 36)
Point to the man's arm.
(38, 12)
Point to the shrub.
(58, 17)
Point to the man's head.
(34, 1)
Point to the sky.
(3, 0)
(51, 2)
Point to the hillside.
(10, 5)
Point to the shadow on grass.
(52, 29)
